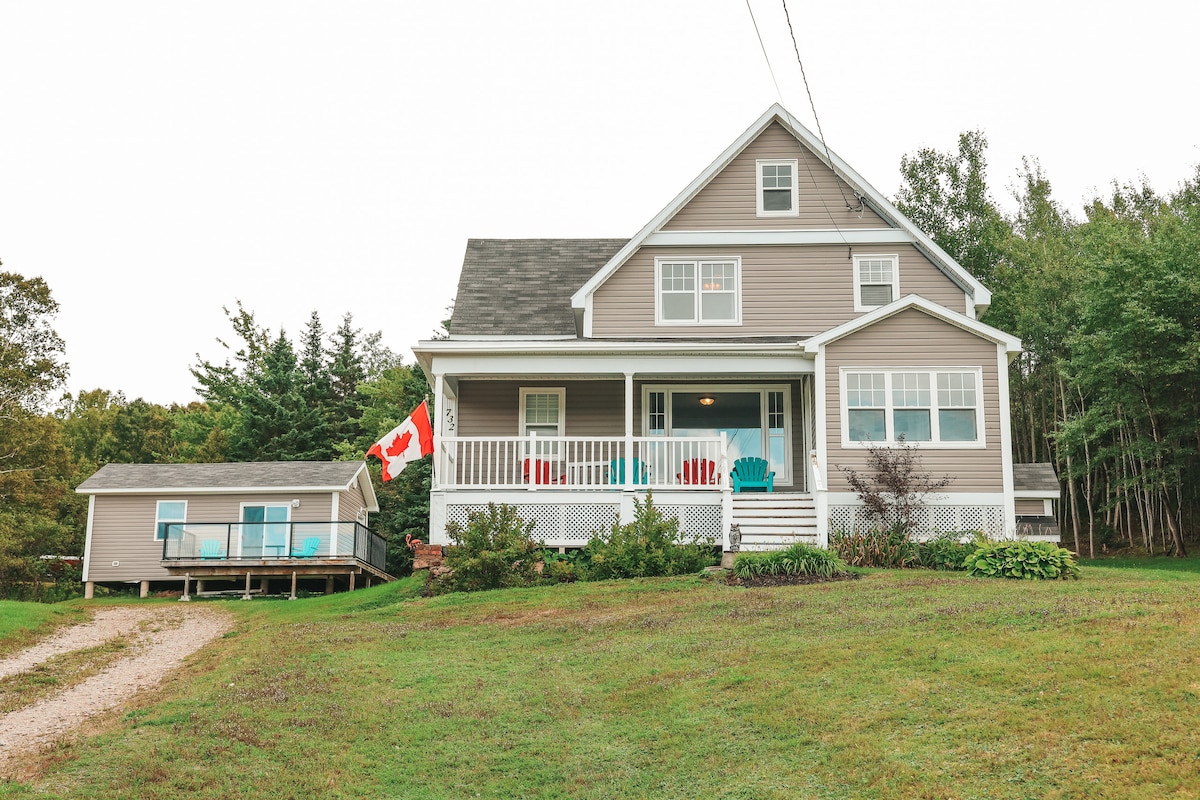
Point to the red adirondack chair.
(699, 471)
(538, 471)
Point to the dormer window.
(876, 281)
(777, 195)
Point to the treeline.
(1108, 310)
(325, 396)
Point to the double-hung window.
(542, 415)
(777, 194)
(698, 291)
(939, 406)
(168, 512)
(876, 281)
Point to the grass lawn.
(905, 684)
(22, 623)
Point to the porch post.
(628, 471)
(439, 396)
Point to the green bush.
(799, 559)
(876, 547)
(494, 550)
(1022, 559)
(947, 551)
(649, 546)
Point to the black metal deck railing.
(268, 541)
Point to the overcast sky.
(160, 160)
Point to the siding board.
(728, 201)
(798, 290)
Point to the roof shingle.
(240, 475)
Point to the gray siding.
(786, 290)
(728, 201)
(351, 502)
(123, 528)
(914, 339)
(1028, 507)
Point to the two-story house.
(779, 307)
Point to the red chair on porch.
(538, 471)
(699, 471)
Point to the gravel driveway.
(161, 638)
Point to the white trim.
(785, 479)
(858, 284)
(889, 408)
(697, 264)
(776, 113)
(87, 542)
(158, 519)
(1006, 458)
(334, 510)
(794, 192)
(1011, 343)
(558, 368)
(675, 238)
(1034, 494)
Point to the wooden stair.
(774, 520)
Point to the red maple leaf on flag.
(400, 445)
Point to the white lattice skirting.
(933, 519)
(572, 525)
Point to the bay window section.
(940, 407)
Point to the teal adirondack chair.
(616, 471)
(211, 548)
(308, 549)
(751, 473)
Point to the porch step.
(775, 520)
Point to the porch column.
(629, 469)
(187, 578)
(439, 397)
(144, 589)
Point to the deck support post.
(352, 581)
(328, 584)
(293, 597)
(144, 589)
(89, 590)
(368, 586)
(187, 580)
(246, 596)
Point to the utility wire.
(811, 104)
(766, 57)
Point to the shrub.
(875, 547)
(1022, 559)
(895, 485)
(799, 559)
(495, 550)
(649, 546)
(948, 551)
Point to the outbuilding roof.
(523, 287)
(258, 476)
(1038, 478)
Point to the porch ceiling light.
(707, 399)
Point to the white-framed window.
(876, 281)
(705, 291)
(168, 512)
(941, 407)
(543, 413)
(776, 190)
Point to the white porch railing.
(546, 463)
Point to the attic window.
(876, 281)
(777, 195)
(700, 292)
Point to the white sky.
(159, 160)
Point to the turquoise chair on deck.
(211, 548)
(308, 549)
(751, 473)
(616, 471)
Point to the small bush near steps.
(799, 559)
(494, 550)
(1022, 559)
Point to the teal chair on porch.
(308, 549)
(212, 548)
(751, 473)
(616, 471)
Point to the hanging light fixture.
(707, 400)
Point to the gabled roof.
(868, 193)
(512, 287)
(249, 476)
(1011, 343)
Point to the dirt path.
(162, 637)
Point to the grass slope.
(23, 623)
(902, 684)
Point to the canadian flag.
(410, 440)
